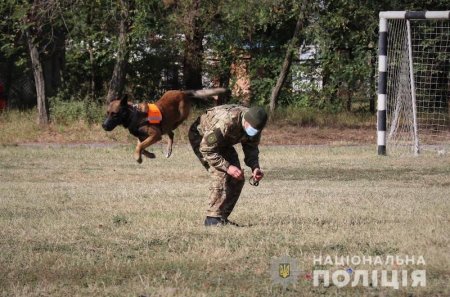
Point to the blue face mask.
(251, 131)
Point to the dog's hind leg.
(169, 144)
(148, 154)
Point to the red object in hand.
(258, 174)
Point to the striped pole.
(382, 87)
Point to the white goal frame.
(385, 87)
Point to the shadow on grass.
(353, 174)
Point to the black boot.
(218, 221)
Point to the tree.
(253, 33)
(286, 65)
(46, 50)
(345, 31)
(39, 80)
(193, 48)
(116, 85)
(193, 20)
(38, 25)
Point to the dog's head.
(117, 113)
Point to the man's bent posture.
(212, 137)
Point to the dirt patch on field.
(272, 135)
(80, 133)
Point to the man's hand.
(258, 174)
(235, 172)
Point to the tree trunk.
(39, 81)
(350, 85)
(193, 51)
(116, 85)
(93, 86)
(286, 65)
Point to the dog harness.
(154, 115)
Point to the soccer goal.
(413, 82)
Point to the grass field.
(89, 221)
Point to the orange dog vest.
(154, 114)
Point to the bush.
(66, 112)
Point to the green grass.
(90, 221)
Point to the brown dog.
(173, 107)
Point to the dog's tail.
(204, 93)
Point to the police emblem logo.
(284, 270)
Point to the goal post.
(413, 110)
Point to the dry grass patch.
(84, 221)
(288, 126)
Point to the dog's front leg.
(154, 136)
(169, 144)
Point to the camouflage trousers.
(224, 190)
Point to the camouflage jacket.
(221, 127)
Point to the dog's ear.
(124, 100)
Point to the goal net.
(414, 82)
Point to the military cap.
(256, 116)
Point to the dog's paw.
(138, 158)
(149, 155)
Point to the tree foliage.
(173, 44)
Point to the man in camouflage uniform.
(212, 137)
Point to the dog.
(148, 122)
